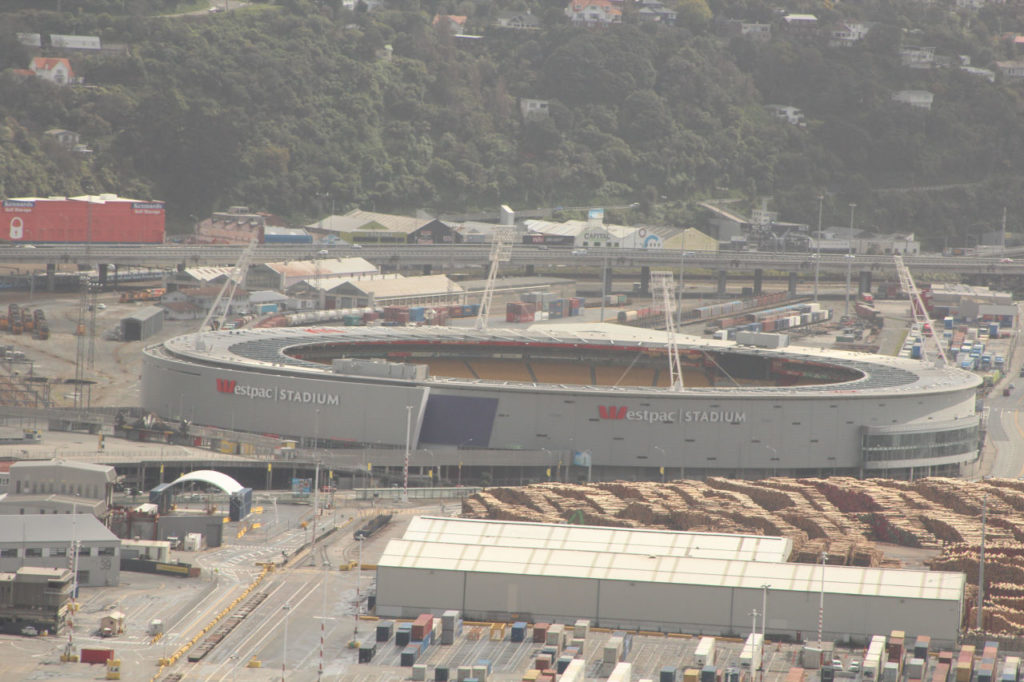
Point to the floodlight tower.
(664, 287)
(501, 252)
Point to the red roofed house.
(593, 12)
(453, 22)
(54, 69)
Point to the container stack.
(451, 626)
(518, 633)
(385, 629)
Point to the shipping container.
(385, 629)
(518, 633)
(409, 656)
(99, 219)
(612, 650)
(367, 651)
(705, 654)
(96, 655)
(941, 672)
(669, 674)
(709, 674)
(750, 657)
(540, 632)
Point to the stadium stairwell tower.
(664, 287)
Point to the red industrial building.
(104, 218)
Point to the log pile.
(843, 517)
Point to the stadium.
(579, 400)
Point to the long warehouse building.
(500, 576)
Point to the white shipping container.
(705, 654)
(574, 672)
(750, 658)
(622, 673)
(581, 628)
(891, 672)
(612, 651)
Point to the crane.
(236, 277)
(920, 314)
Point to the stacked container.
(965, 663)
(451, 626)
(518, 632)
(385, 629)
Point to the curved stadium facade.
(506, 400)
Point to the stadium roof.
(265, 348)
(647, 542)
(548, 562)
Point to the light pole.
(405, 467)
(821, 605)
(849, 259)
(817, 246)
(284, 641)
(359, 575)
(316, 429)
(764, 622)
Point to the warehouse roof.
(617, 566)
(357, 219)
(21, 528)
(648, 542)
(424, 285)
(147, 313)
(323, 266)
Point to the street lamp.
(849, 259)
(764, 622)
(817, 245)
(405, 467)
(284, 641)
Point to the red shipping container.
(105, 218)
(542, 662)
(540, 634)
(96, 655)
(421, 626)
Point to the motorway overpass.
(427, 258)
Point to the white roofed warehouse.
(496, 574)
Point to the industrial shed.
(142, 324)
(663, 592)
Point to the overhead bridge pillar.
(792, 284)
(758, 280)
(645, 279)
(606, 276)
(531, 270)
(427, 268)
(51, 276)
(723, 279)
(864, 282)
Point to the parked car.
(29, 631)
